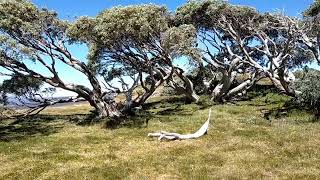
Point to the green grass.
(240, 144)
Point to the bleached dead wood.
(175, 136)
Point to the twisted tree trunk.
(223, 87)
(187, 88)
(104, 109)
(282, 83)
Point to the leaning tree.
(142, 39)
(219, 27)
(277, 49)
(237, 39)
(309, 29)
(32, 36)
(133, 46)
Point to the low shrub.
(308, 85)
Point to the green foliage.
(311, 17)
(19, 15)
(313, 9)
(309, 85)
(210, 15)
(137, 37)
(196, 12)
(82, 29)
(122, 26)
(23, 19)
(180, 41)
(19, 85)
(132, 24)
(134, 28)
(23, 28)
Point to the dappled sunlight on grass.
(240, 143)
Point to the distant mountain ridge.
(14, 102)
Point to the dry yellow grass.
(240, 144)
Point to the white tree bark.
(175, 136)
(186, 87)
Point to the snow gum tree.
(218, 44)
(309, 30)
(32, 36)
(134, 46)
(141, 38)
(238, 40)
(133, 50)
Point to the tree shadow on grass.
(139, 120)
(39, 125)
(27, 127)
(290, 108)
(174, 105)
(171, 110)
(163, 103)
(46, 124)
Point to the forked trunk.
(187, 88)
(104, 109)
(223, 87)
(282, 85)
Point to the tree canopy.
(229, 48)
(313, 9)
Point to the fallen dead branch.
(175, 136)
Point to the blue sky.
(69, 9)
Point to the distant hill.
(14, 102)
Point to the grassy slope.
(240, 143)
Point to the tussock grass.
(241, 143)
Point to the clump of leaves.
(19, 85)
(313, 10)
(309, 85)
